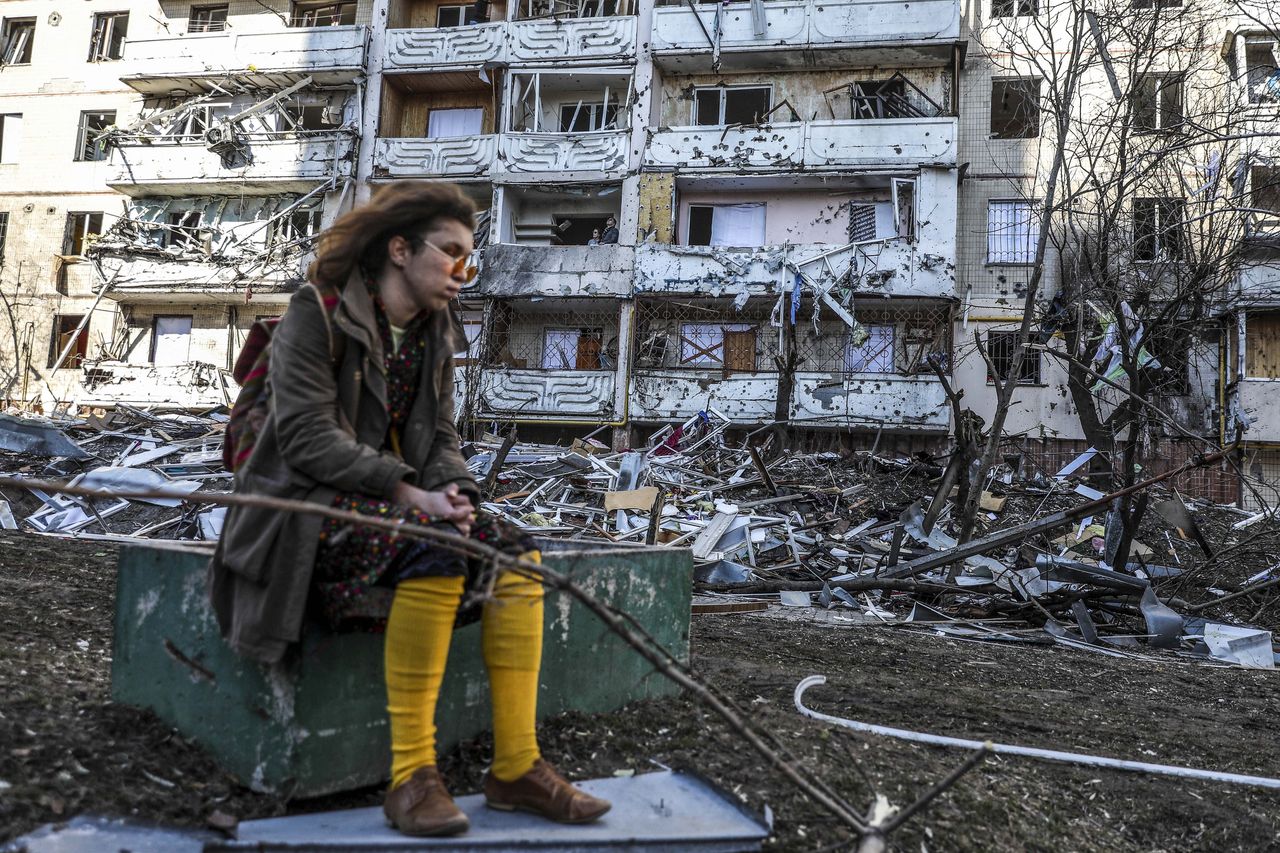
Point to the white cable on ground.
(1029, 751)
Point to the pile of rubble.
(860, 539)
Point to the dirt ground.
(66, 749)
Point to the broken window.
(207, 19)
(19, 36)
(582, 118)
(296, 229)
(1014, 8)
(472, 329)
(90, 144)
(4, 233)
(455, 16)
(315, 117)
(453, 123)
(871, 99)
(1170, 346)
(170, 339)
(184, 230)
(572, 349)
(740, 225)
(67, 332)
(1015, 108)
(579, 230)
(1158, 102)
(1261, 74)
(1262, 345)
(904, 206)
(714, 345)
(109, 32)
(82, 229)
(1000, 349)
(874, 353)
(1265, 192)
(322, 14)
(1157, 229)
(10, 137)
(66, 329)
(1010, 239)
(721, 105)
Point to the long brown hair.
(360, 236)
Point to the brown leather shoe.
(543, 791)
(421, 806)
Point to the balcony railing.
(329, 54)
(821, 399)
(813, 145)
(600, 153)
(513, 43)
(555, 395)
(799, 31)
(893, 267)
(463, 157)
(271, 165)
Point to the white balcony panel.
(821, 399)
(190, 385)
(511, 270)
(330, 54)
(1258, 400)
(895, 267)
(143, 279)
(572, 39)
(1260, 284)
(280, 165)
(896, 402)
(878, 23)
(462, 157)
(774, 146)
(565, 394)
(445, 46)
(538, 153)
(916, 142)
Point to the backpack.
(253, 403)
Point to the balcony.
(192, 385)
(821, 399)
(573, 40)
(270, 166)
(462, 157)
(885, 268)
(548, 395)
(807, 34)
(594, 155)
(805, 146)
(141, 279)
(511, 270)
(329, 55)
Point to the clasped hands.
(449, 504)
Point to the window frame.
(575, 334)
(1014, 8)
(210, 26)
(1030, 254)
(693, 119)
(301, 10)
(1175, 80)
(102, 36)
(1011, 83)
(9, 40)
(887, 348)
(595, 120)
(1160, 206)
(79, 353)
(466, 13)
(82, 140)
(1033, 357)
(79, 236)
(4, 233)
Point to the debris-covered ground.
(834, 564)
(65, 749)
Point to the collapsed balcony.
(784, 33)
(428, 36)
(292, 141)
(188, 250)
(547, 363)
(694, 354)
(330, 55)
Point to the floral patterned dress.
(358, 567)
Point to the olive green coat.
(324, 434)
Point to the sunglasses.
(460, 265)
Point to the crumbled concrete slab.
(89, 834)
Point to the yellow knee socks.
(512, 642)
(416, 648)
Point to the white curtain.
(737, 225)
(442, 124)
(173, 340)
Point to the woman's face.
(428, 272)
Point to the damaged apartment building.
(752, 210)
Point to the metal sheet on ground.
(652, 812)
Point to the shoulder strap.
(328, 304)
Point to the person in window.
(595, 237)
(360, 418)
(610, 231)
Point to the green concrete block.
(316, 723)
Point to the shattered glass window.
(1015, 108)
(19, 38)
(1001, 347)
(572, 349)
(207, 19)
(67, 333)
(91, 145)
(1157, 229)
(109, 32)
(323, 14)
(873, 354)
(81, 230)
(1014, 8)
(1261, 74)
(1158, 102)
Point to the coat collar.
(357, 309)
